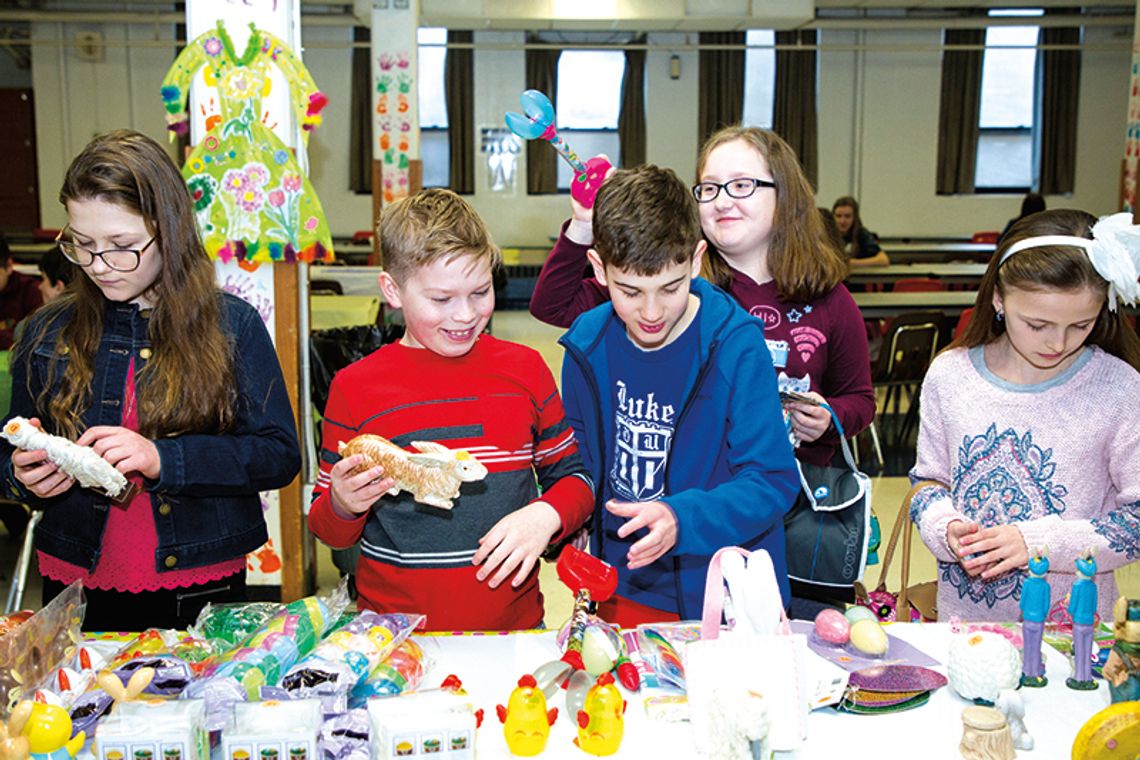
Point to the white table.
(490, 666)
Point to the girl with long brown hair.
(1027, 418)
(171, 381)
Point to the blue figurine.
(1034, 609)
(1082, 607)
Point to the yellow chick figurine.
(526, 722)
(601, 721)
(48, 729)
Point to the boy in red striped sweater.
(473, 567)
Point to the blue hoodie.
(731, 475)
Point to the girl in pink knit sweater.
(1028, 418)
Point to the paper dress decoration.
(252, 200)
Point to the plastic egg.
(869, 637)
(857, 613)
(832, 627)
(600, 649)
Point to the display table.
(490, 666)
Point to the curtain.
(958, 111)
(459, 90)
(541, 160)
(1060, 89)
(360, 114)
(631, 119)
(720, 101)
(794, 115)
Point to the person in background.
(1030, 204)
(19, 295)
(1026, 419)
(860, 244)
(56, 272)
(832, 229)
(170, 380)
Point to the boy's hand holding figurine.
(654, 516)
(353, 495)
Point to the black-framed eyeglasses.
(744, 187)
(118, 259)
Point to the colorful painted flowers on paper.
(213, 46)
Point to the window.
(589, 101)
(1007, 118)
(759, 78)
(435, 150)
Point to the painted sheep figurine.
(432, 473)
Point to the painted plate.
(897, 678)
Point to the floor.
(519, 326)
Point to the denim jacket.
(205, 500)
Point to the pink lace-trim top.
(130, 541)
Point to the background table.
(952, 272)
(343, 311)
(490, 666)
(949, 302)
(928, 252)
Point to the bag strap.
(901, 520)
(714, 596)
(843, 445)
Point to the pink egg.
(832, 627)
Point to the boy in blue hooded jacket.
(671, 390)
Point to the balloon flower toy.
(537, 123)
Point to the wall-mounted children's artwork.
(252, 198)
(395, 118)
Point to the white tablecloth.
(490, 666)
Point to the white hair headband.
(1114, 252)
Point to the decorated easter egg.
(857, 613)
(981, 664)
(869, 637)
(832, 626)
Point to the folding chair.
(23, 564)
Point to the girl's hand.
(809, 421)
(516, 542)
(657, 518)
(40, 475)
(997, 550)
(125, 449)
(353, 495)
(955, 531)
(580, 213)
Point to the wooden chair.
(987, 236)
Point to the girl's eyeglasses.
(119, 259)
(706, 192)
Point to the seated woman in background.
(861, 245)
(1030, 204)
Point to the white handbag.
(757, 656)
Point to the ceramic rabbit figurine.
(432, 473)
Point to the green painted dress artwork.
(253, 202)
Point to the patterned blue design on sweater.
(1006, 478)
(988, 592)
(1121, 529)
(921, 502)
